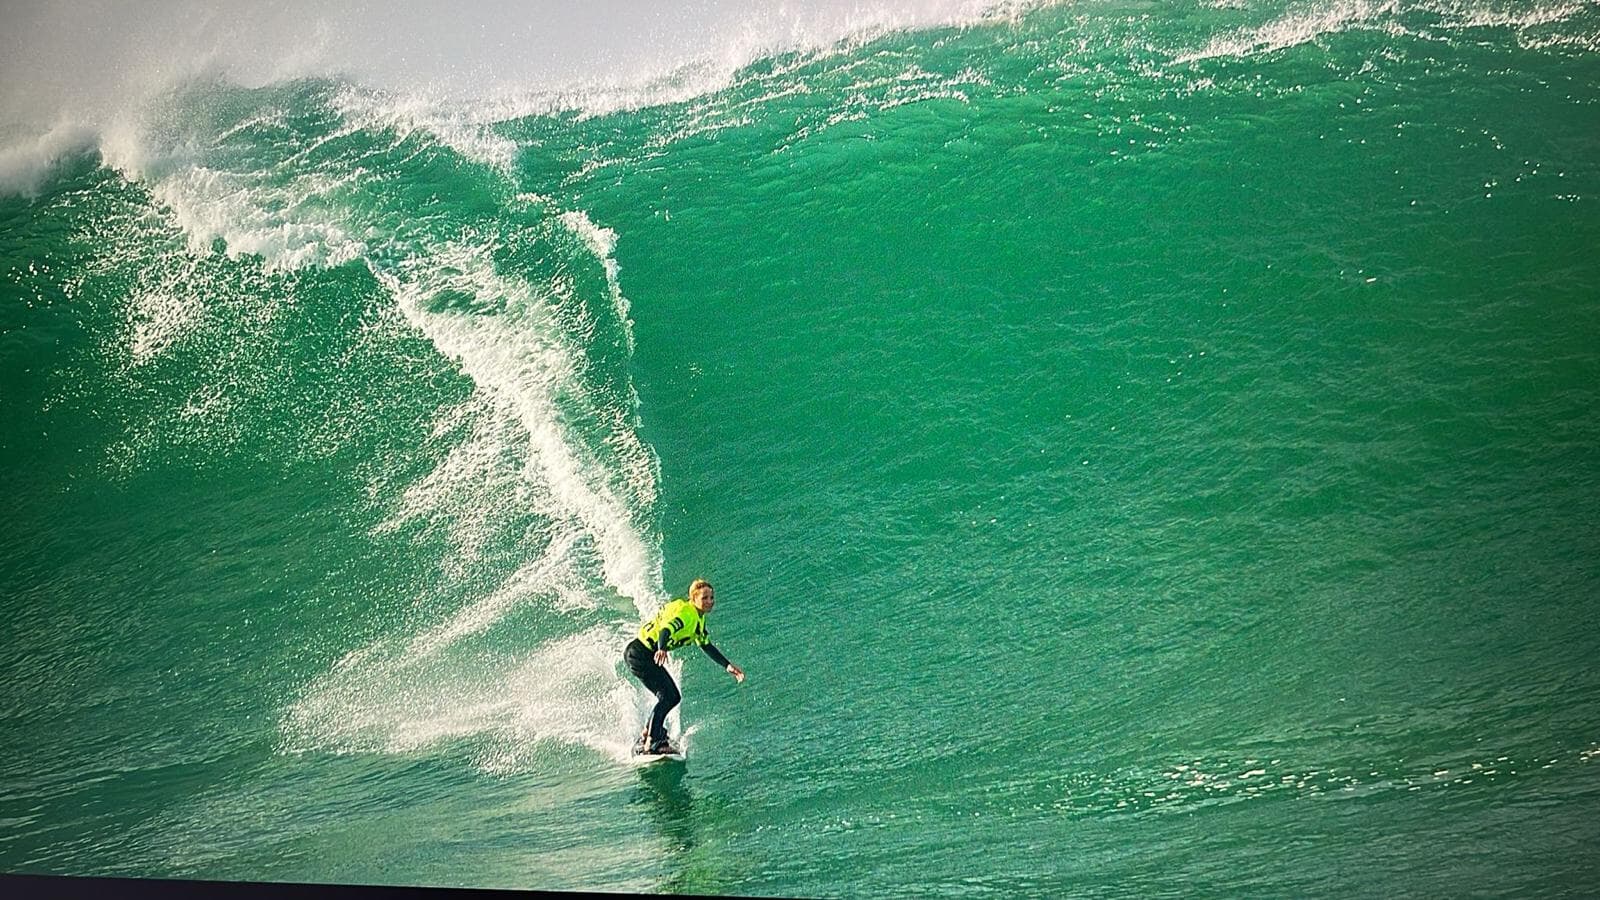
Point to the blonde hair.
(697, 584)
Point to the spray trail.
(531, 503)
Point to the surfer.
(678, 623)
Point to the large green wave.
(1139, 449)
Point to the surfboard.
(678, 740)
(644, 759)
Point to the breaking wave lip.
(1304, 23)
(26, 165)
(1292, 29)
(101, 115)
(709, 73)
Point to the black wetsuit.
(641, 662)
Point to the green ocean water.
(1140, 449)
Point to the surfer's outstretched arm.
(717, 657)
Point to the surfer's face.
(703, 598)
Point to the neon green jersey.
(682, 622)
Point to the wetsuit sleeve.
(661, 639)
(715, 654)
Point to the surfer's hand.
(736, 672)
(661, 657)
